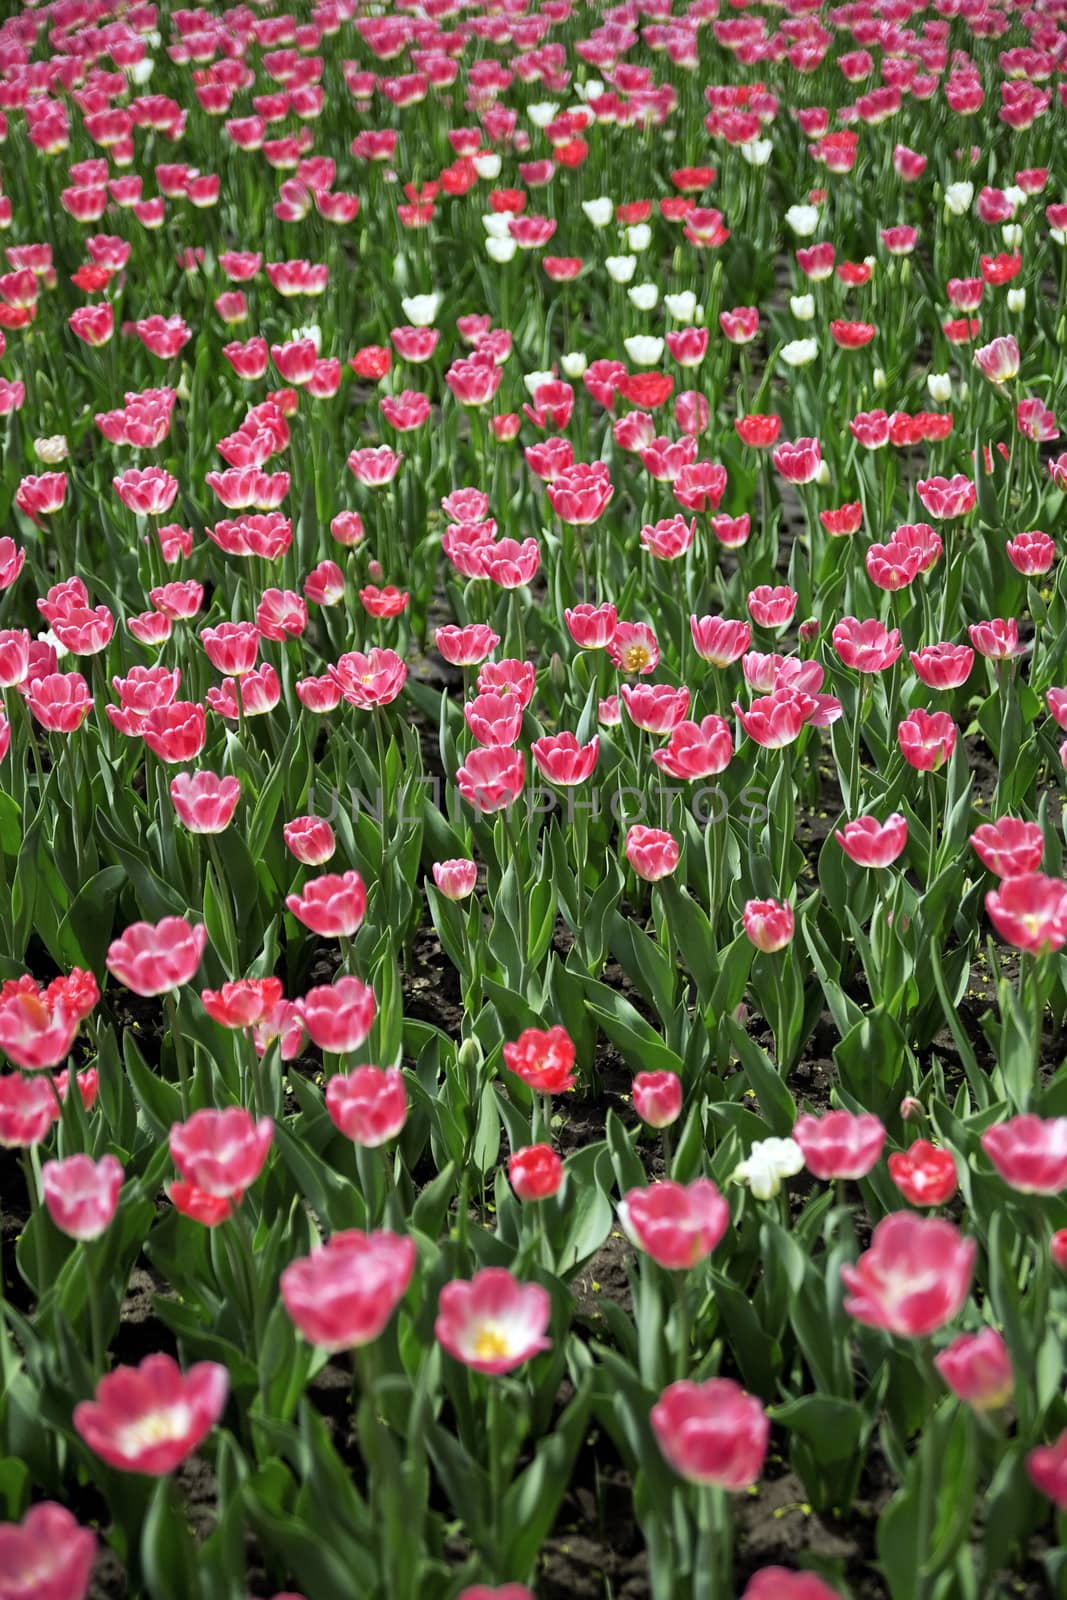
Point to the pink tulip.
(493, 1323)
(149, 1418)
(82, 1194)
(914, 1278)
(342, 1295)
(712, 1433)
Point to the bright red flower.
(535, 1173)
(543, 1059)
(367, 1105)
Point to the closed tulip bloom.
(651, 852)
(177, 732)
(152, 958)
(543, 1059)
(563, 761)
(720, 640)
(81, 1194)
(998, 639)
(494, 719)
(60, 701)
(777, 720)
(712, 1433)
(697, 749)
(332, 905)
(310, 839)
(927, 739)
(999, 360)
(799, 461)
(943, 666)
(27, 1111)
(676, 1224)
(221, 1152)
(1009, 847)
(1047, 1469)
(839, 1144)
(768, 924)
(978, 1370)
(945, 498)
(455, 879)
(772, 606)
(368, 1105)
(535, 1173)
(1029, 1153)
(493, 1323)
(870, 843)
(339, 1015)
(655, 707)
(492, 778)
(778, 1583)
(342, 1295)
(924, 1173)
(204, 802)
(866, 646)
(232, 647)
(46, 1556)
(658, 1098)
(150, 1418)
(591, 627)
(14, 656)
(914, 1278)
(1032, 553)
(1029, 911)
(465, 647)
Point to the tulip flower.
(658, 1098)
(155, 959)
(82, 1194)
(914, 1278)
(332, 905)
(494, 1323)
(978, 1370)
(46, 1556)
(367, 1105)
(870, 843)
(535, 1172)
(677, 1225)
(712, 1433)
(150, 1418)
(340, 1015)
(1047, 1470)
(221, 1152)
(838, 1144)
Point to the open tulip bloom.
(533, 743)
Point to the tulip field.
(533, 753)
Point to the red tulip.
(370, 680)
(464, 647)
(1047, 1467)
(543, 1059)
(339, 1016)
(27, 1111)
(221, 1152)
(36, 1030)
(563, 761)
(177, 732)
(580, 494)
(46, 1556)
(651, 852)
(768, 924)
(369, 1106)
(712, 1433)
(697, 749)
(676, 1224)
(493, 1323)
(778, 719)
(1032, 554)
(492, 778)
(1009, 847)
(342, 1295)
(778, 1583)
(927, 739)
(658, 1098)
(151, 1417)
(720, 640)
(505, 1591)
(1029, 911)
(82, 1194)
(998, 639)
(332, 905)
(870, 843)
(310, 839)
(535, 1173)
(494, 719)
(60, 701)
(914, 1278)
(978, 1370)
(154, 959)
(924, 1173)
(204, 802)
(772, 606)
(798, 462)
(242, 1003)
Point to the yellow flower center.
(635, 656)
(490, 1344)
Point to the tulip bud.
(910, 1109)
(658, 1098)
(1016, 299)
(535, 1173)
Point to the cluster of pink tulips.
(533, 743)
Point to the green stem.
(170, 1002)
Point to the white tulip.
(757, 152)
(644, 349)
(939, 385)
(141, 71)
(958, 197)
(802, 306)
(799, 352)
(421, 309)
(1016, 299)
(487, 165)
(767, 1164)
(534, 380)
(803, 220)
(542, 112)
(496, 223)
(500, 250)
(878, 379)
(644, 296)
(682, 307)
(639, 236)
(599, 212)
(1017, 197)
(621, 268)
(574, 363)
(1012, 234)
(312, 332)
